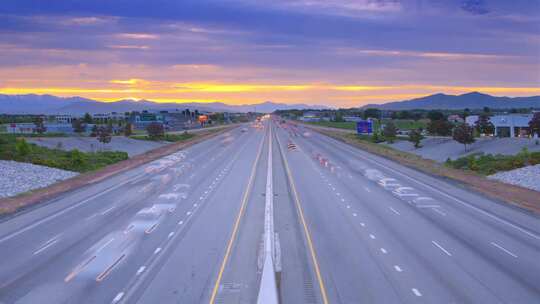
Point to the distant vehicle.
(243, 130)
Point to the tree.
(534, 124)
(87, 118)
(439, 127)
(415, 136)
(128, 129)
(94, 131)
(435, 115)
(483, 125)
(78, 126)
(155, 131)
(372, 112)
(40, 125)
(463, 134)
(104, 135)
(487, 110)
(338, 117)
(390, 132)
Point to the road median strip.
(12, 204)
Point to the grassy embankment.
(487, 164)
(168, 137)
(402, 124)
(515, 195)
(14, 147)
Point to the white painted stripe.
(170, 235)
(504, 249)
(343, 200)
(157, 250)
(107, 211)
(416, 292)
(188, 213)
(384, 251)
(118, 297)
(439, 211)
(362, 224)
(141, 270)
(372, 236)
(348, 206)
(105, 245)
(397, 268)
(394, 210)
(180, 222)
(367, 189)
(47, 245)
(354, 214)
(441, 248)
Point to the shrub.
(22, 147)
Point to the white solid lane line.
(108, 210)
(504, 249)
(157, 250)
(441, 248)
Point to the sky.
(341, 53)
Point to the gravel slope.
(21, 177)
(527, 177)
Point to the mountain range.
(49, 104)
(473, 100)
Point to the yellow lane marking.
(236, 224)
(306, 230)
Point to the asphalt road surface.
(351, 228)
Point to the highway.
(351, 227)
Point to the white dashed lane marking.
(441, 248)
(394, 210)
(384, 251)
(504, 249)
(397, 268)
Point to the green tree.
(128, 129)
(372, 112)
(338, 117)
(483, 125)
(155, 131)
(435, 115)
(87, 118)
(534, 124)
(463, 134)
(104, 135)
(22, 147)
(94, 131)
(415, 136)
(78, 126)
(39, 125)
(439, 127)
(390, 132)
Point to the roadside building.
(64, 118)
(471, 120)
(310, 116)
(20, 128)
(103, 118)
(512, 125)
(141, 120)
(454, 118)
(352, 118)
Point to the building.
(141, 120)
(310, 116)
(103, 118)
(20, 128)
(471, 120)
(454, 118)
(352, 118)
(64, 118)
(512, 125)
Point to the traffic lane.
(189, 272)
(57, 234)
(469, 243)
(348, 269)
(26, 220)
(521, 224)
(45, 276)
(455, 272)
(512, 227)
(297, 281)
(241, 276)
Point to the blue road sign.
(364, 127)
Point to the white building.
(511, 125)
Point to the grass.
(14, 148)
(402, 124)
(168, 137)
(487, 164)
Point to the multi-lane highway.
(349, 227)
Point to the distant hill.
(49, 104)
(473, 100)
